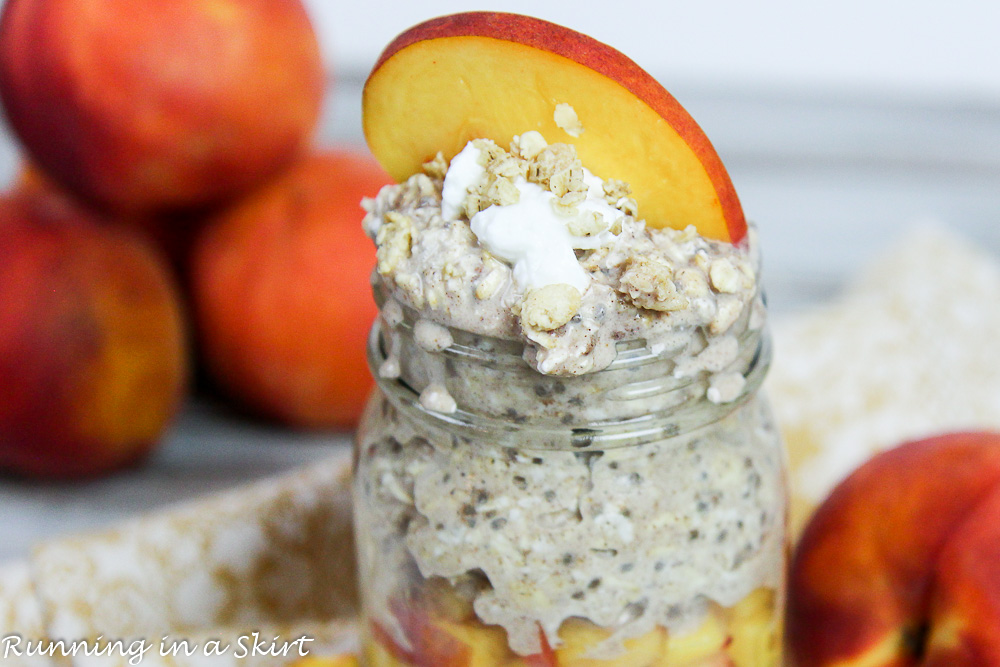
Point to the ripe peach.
(172, 233)
(885, 543)
(93, 364)
(150, 104)
(494, 75)
(965, 611)
(281, 287)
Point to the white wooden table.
(830, 179)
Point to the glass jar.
(509, 518)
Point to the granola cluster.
(550, 307)
(554, 167)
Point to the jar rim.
(591, 435)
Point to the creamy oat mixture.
(527, 246)
(629, 538)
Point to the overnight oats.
(567, 461)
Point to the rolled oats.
(728, 310)
(553, 159)
(502, 192)
(528, 144)
(425, 186)
(437, 167)
(648, 283)
(550, 307)
(588, 224)
(692, 283)
(489, 151)
(566, 119)
(628, 206)
(615, 190)
(491, 283)
(568, 180)
(509, 166)
(725, 278)
(394, 239)
(474, 203)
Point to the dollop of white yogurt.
(529, 235)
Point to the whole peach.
(964, 630)
(171, 233)
(148, 104)
(93, 364)
(281, 288)
(868, 568)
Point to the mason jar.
(619, 517)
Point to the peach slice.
(580, 636)
(436, 641)
(431, 646)
(544, 658)
(495, 75)
(862, 579)
(703, 647)
(326, 661)
(377, 655)
(756, 627)
(487, 645)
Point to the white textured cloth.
(20, 611)
(274, 557)
(909, 350)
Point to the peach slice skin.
(965, 613)
(860, 583)
(494, 75)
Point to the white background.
(922, 47)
